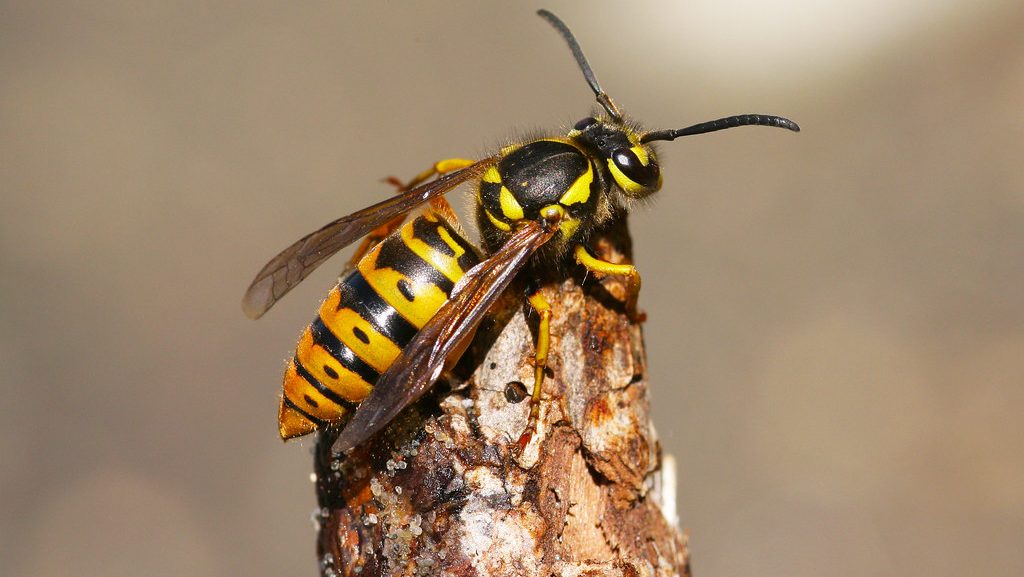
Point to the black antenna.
(602, 98)
(722, 124)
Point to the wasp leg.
(629, 271)
(540, 363)
(439, 204)
(441, 167)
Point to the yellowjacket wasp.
(417, 292)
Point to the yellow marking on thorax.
(314, 358)
(446, 265)
(497, 223)
(492, 175)
(580, 189)
(427, 298)
(380, 352)
(510, 207)
(507, 151)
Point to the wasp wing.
(444, 337)
(294, 263)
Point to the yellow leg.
(440, 167)
(540, 363)
(439, 204)
(629, 271)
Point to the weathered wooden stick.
(444, 490)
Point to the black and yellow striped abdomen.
(368, 318)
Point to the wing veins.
(445, 335)
(296, 262)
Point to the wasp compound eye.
(646, 177)
(585, 123)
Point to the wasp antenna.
(588, 73)
(722, 124)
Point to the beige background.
(836, 329)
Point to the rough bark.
(443, 491)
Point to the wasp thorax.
(556, 181)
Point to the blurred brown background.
(836, 329)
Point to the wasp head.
(631, 163)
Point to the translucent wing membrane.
(444, 337)
(296, 262)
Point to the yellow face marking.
(446, 265)
(427, 298)
(351, 329)
(627, 184)
(641, 153)
(510, 207)
(580, 190)
(317, 360)
(497, 223)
